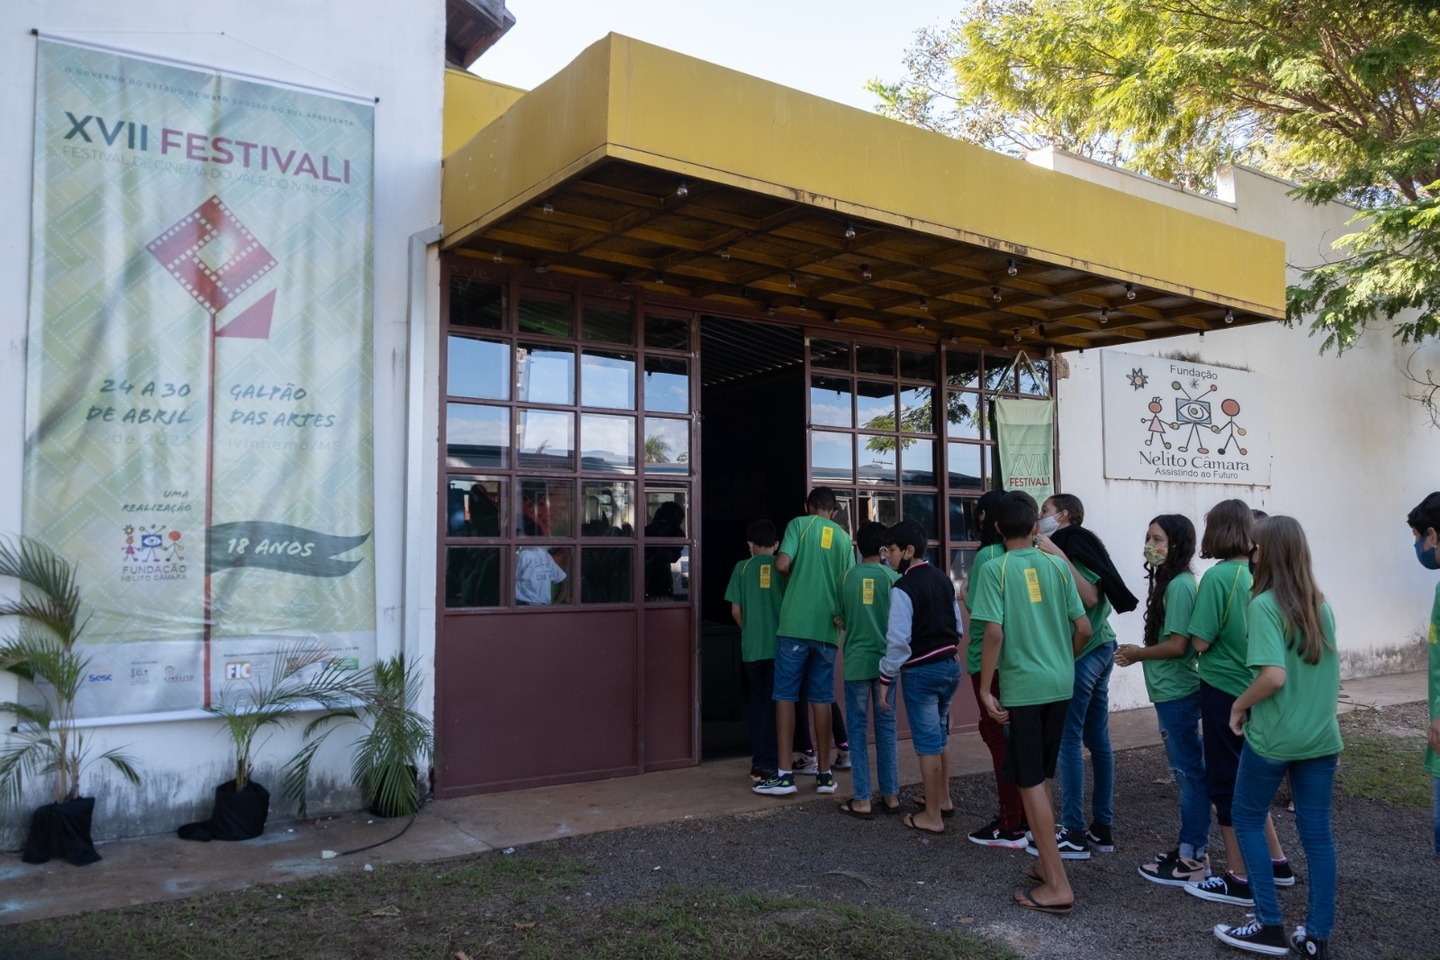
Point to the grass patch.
(529, 905)
(1384, 758)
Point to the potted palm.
(300, 678)
(44, 651)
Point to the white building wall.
(393, 51)
(1352, 455)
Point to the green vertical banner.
(1025, 432)
(198, 396)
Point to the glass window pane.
(960, 562)
(663, 521)
(546, 440)
(542, 576)
(882, 506)
(667, 384)
(608, 321)
(845, 515)
(830, 402)
(476, 436)
(477, 368)
(667, 445)
(875, 405)
(875, 359)
(917, 462)
(830, 458)
(546, 508)
(1036, 383)
(472, 576)
(962, 462)
(474, 507)
(607, 508)
(607, 574)
(963, 416)
(917, 366)
(477, 303)
(667, 566)
(962, 369)
(547, 374)
(667, 333)
(875, 453)
(830, 354)
(607, 380)
(607, 443)
(920, 507)
(546, 316)
(963, 528)
(915, 410)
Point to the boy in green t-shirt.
(814, 553)
(1425, 525)
(864, 613)
(754, 593)
(1035, 626)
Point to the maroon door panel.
(669, 687)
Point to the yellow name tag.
(765, 577)
(826, 536)
(1032, 583)
(867, 592)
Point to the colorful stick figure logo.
(1191, 413)
(1231, 408)
(1154, 424)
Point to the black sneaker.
(994, 835)
(1072, 846)
(1305, 945)
(1284, 876)
(1100, 838)
(1223, 888)
(1254, 936)
(779, 785)
(824, 783)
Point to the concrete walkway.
(156, 868)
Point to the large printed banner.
(198, 402)
(1025, 433)
(1181, 421)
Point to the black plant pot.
(62, 830)
(237, 814)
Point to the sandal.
(1024, 898)
(908, 821)
(944, 814)
(848, 807)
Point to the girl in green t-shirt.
(1287, 715)
(1424, 523)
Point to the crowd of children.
(1241, 667)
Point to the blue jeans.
(1180, 730)
(1089, 721)
(808, 662)
(761, 707)
(928, 690)
(1311, 783)
(859, 694)
(1437, 816)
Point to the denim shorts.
(808, 660)
(927, 690)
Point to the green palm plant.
(44, 651)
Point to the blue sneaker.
(824, 783)
(778, 786)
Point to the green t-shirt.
(1219, 620)
(1174, 679)
(1432, 759)
(977, 640)
(1296, 722)
(1033, 597)
(1099, 615)
(820, 553)
(758, 588)
(865, 609)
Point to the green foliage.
(44, 651)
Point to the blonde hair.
(1284, 569)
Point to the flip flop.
(1025, 899)
(888, 810)
(848, 807)
(908, 821)
(1033, 876)
(944, 814)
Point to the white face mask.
(1048, 525)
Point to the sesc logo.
(99, 677)
(237, 670)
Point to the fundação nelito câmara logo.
(1193, 416)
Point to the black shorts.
(1033, 742)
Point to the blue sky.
(825, 48)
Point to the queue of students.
(1241, 667)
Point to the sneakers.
(777, 786)
(1284, 876)
(1100, 837)
(1254, 936)
(1072, 846)
(842, 760)
(824, 783)
(994, 835)
(1174, 870)
(1223, 888)
(1303, 944)
(758, 775)
(805, 763)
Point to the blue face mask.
(1426, 557)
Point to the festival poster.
(198, 397)
(1025, 434)
(1181, 421)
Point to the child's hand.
(884, 698)
(1237, 722)
(1125, 655)
(1047, 545)
(839, 624)
(992, 706)
(1435, 735)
